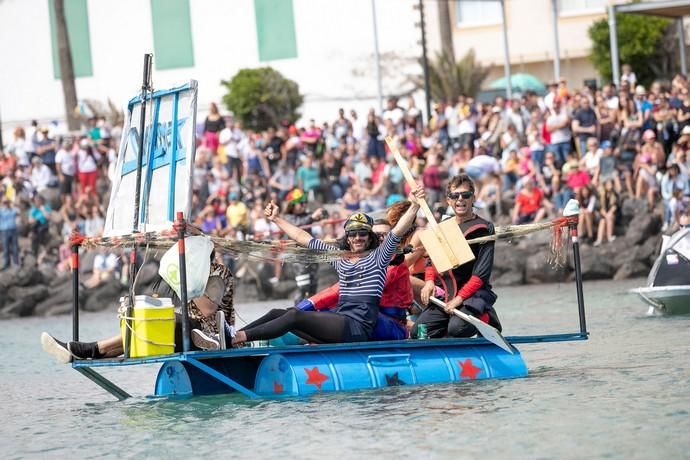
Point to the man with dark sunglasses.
(474, 294)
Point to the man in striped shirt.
(361, 280)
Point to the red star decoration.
(277, 387)
(468, 369)
(315, 377)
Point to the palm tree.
(69, 89)
(450, 79)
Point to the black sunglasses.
(463, 195)
(354, 233)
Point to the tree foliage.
(640, 40)
(449, 79)
(263, 97)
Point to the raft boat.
(162, 184)
(300, 370)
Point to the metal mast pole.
(506, 51)
(613, 38)
(145, 88)
(556, 44)
(378, 57)
(425, 63)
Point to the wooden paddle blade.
(487, 331)
(436, 250)
(446, 246)
(456, 240)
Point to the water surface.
(624, 394)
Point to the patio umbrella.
(520, 82)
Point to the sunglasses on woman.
(354, 233)
(463, 195)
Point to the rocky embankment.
(40, 290)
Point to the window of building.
(275, 29)
(172, 34)
(567, 6)
(477, 12)
(77, 18)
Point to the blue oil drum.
(300, 374)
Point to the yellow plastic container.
(152, 324)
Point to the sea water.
(623, 394)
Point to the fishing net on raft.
(288, 251)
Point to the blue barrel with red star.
(300, 374)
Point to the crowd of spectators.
(528, 157)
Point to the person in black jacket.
(474, 294)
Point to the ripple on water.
(623, 394)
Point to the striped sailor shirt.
(366, 277)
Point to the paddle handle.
(402, 164)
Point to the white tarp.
(167, 163)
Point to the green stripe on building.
(275, 29)
(77, 18)
(172, 34)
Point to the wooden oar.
(487, 331)
(444, 243)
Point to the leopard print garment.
(209, 324)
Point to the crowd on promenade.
(528, 157)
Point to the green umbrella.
(521, 82)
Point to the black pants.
(312, 326)
(38, 236)
(439, 324)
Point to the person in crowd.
(66, 165)
(41, 175)
(672, 181)
(105, 266)
(530, 204)
(646, 184)
(361, 282)
(608, 208)
(588, 201)
(585, 125)
(87, 167)
(283, 180)
(475, 296)
(39, 219)
(8, 233)
(213, 125)
(591, 156)
(558, 127)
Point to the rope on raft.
(288, 251)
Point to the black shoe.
(56, 348)
(84, 350)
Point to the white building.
(326, 46)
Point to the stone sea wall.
(40, 290)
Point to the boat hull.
(280, 375)
(668, 300)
